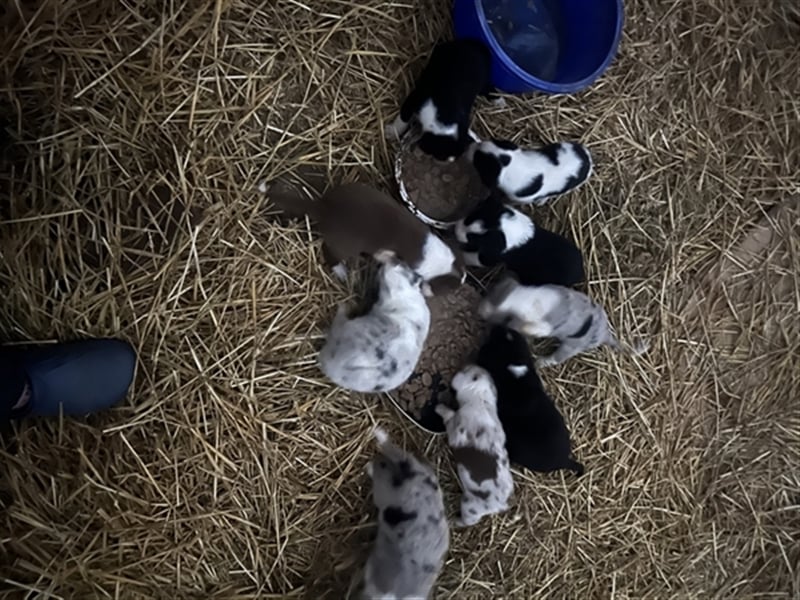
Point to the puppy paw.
(340, 272)
(486, 310)
(546, 361)
(640, 346)
(445, 412)
(384, 256)
(395, 130)
(426, 290)
(536, 329)
(499, 102)
(380, 435)
(459, 522)
(390, 132)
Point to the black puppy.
(441, 101)
(536, 436)
(495, 233)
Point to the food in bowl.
(455, 334)
(439, 193)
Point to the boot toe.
(78, 378)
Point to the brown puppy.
(356, 219)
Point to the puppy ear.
(492, 245)
(505, 144)
(488, 168)
(473, 243)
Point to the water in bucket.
(527, 31)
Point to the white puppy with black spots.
(413, 535)
(478, 441)
(553, 311)
(378, 351)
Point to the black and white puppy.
(531, 176)
(441, 101)
(496, 233)
(536, 436)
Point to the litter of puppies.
(500, 413)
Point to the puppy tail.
(292, 201)
(381, 437)
(636, 346)
(639, 346)
(575, 466)
(386, 447)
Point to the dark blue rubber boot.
(77, 378)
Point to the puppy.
(495, 233)
(356, 219)
(536, 436)
(413, 535)
(479, 445)
(378, 351)
(552, 311)
(531, 176)
(442, 99)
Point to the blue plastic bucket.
(567, 44)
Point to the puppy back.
(379, 221)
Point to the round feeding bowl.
(438, 193)
(550, 46)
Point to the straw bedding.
(134, 135)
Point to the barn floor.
(133, 136)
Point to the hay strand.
(133, 136)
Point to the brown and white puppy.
(478, 440)
(356, 219)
